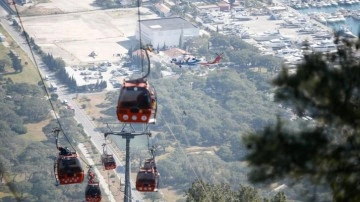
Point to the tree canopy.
(324, 149)
(201, 191)
(26, 164)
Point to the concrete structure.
(224, 6)
(174, 52)
(162, 10)
(166, 31)
(208, 8)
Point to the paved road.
(101, 179)
(96, 137)
(89, 127)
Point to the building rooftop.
(208, 6)
(173, 23)
(175, 52)
(162, 8)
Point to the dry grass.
(171, 194)
(91, 101)
(30, 73)
(169, 150)
(34, 131)
(196, 150)
(3, 194)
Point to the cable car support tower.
(136, 109)
(128, 135)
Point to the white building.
(166, 31)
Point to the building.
(208, 8)
(174, 53)
(162, 10)
(169, 32)
(224, 6)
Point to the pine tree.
(326, 148)
(181, 38)
(279, 197)
(164, 47)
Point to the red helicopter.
(193, 61)
(215, 61)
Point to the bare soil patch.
(34, 131)
(91, 103)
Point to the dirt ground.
(92, 102)
(76, 28)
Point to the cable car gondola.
(147, 179)
(67, 167)
(92, 191)
(107, 160)
(137, 100)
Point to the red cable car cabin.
(69, 170)
(137, 102)
(147, 179)
(108, 161)
(93, 192)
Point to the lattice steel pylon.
(128, 135)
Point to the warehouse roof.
(172, 23)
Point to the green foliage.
(54, 96)
(184, 8)
(279, 197)
(107, 3)
(19, 128)
(2, 65)
(23, 89)
(34, 109)
(201, 191)
(16, 61)
(234, 50)
(26, 167)
(8, 115)
(21, 188)
(52, 63)
(23, 102)
(326, 148)
(248, 194)
(207, 111)
(5, 59)
(225, 153)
